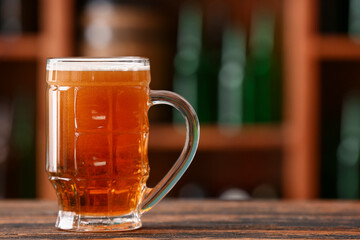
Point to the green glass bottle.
(188, 55)
(349, 149)
(262, 85)
(231, 76)
(210, 62)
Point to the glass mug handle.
(154, 195)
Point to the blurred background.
(275, 84)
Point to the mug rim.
(133, 59)
(104, 63)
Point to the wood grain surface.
(195, 219)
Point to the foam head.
(98, 64)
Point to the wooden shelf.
(337, 47)
(212, 138)
(19, 47)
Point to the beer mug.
(97, 141)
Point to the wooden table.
(206, 219)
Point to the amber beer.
(98, 138)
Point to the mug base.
(71, 221)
